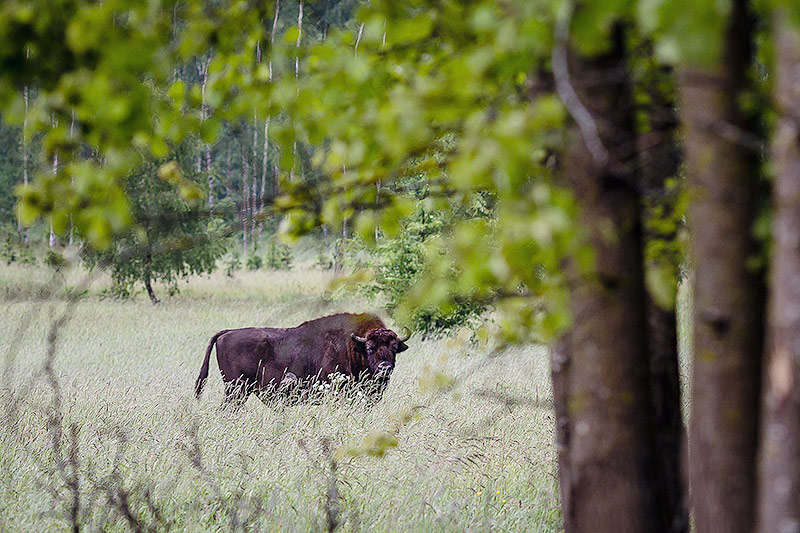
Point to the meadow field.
(461, 441)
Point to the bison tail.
(201, 379)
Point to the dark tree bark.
(728, 295)
(559, 372)
(660, 158)
(612, 478)
(779, 461)
(148, 261)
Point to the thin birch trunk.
(358, 39)
(24, 156)
(52, 240)
(245, 201)
(228, 188)
(338, 262)
(296, 77)
(779, 455)
(297, 44)
(205, 152)
(264, 161)
(255, 199)
(72, 180)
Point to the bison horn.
(408, 336)
(356, 338)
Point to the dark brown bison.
(265, 360)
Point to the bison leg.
(236, 393)
(288, 382)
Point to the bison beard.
(268, 360)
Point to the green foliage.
(278, 256)
(399, 265)
(455, 92)
(10, 243)
(233, 263)
(90, 61)
(55, 260)
(462, 111)
(324, 261)
(254, 262)
(688, 32)
(170, 239)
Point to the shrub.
(279, 256)
(233, 263)
(254, 262)
(55, 260)
(324, 261)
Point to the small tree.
(279, 256)
(170, 239)
(400, 262)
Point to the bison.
(264, 360)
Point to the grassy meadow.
(130, 448)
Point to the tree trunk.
(228, 186)
(297, 44)
(338, 260)
(148, 261)
(612, 483)
(265, 161)
(325, 237)
(245, 199)
(205, 152)
(728, 296)
(52, 241)
(560, 359)
(72, 181)
(660, 158)
(24, 156)
(296, 77)
(779, 461)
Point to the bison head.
(381, 345)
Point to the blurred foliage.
(460, 94)
(456, 109)
(111, 67)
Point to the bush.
(12, 246)
(233, 263)
(279, 256)
(324, 261)
(55, 260)
(254, 262)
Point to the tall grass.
(475, 455)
